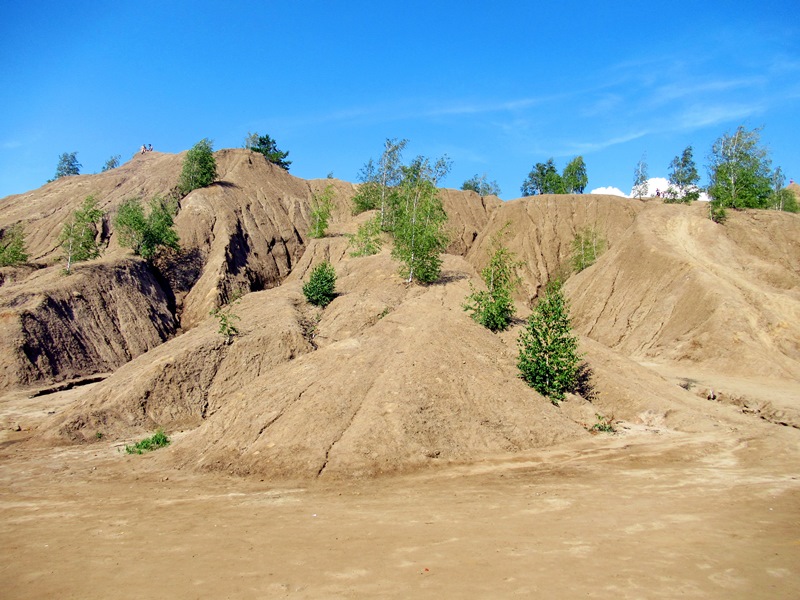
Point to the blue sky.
(496, 86)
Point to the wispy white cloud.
(704, 115)
(677, 90)
(583, 147)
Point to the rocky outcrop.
(55, 327)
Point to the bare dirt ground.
(644, 513)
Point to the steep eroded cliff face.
(55, 327)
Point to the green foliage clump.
(574, 176)
(379, 183)
(418, 221)
(263, 144)
(158, 440)
(481, 186)
(717, 212)
(494, 307)
(782, 198)
(320, 290)
(148, 234)
(587, 246)
(112, 163)
(683, 179)
(367, 240)
(543, 179)
(227, 319)
(199, 167)
(68, 165)
(740, 170)
(548, 350)
(604, 424)
(79, 234)
(321, 206)
(12, 246)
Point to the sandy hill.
(388, 377)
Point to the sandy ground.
(630, 515)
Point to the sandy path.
(644, 516)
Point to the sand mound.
(242, 234)
(678, 287)
(389, 377)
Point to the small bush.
(367, 240)
(604, 424)
(587, 246)
(79, 233)
(321, 207)
(717, 212)
(12, 246)
(147, 235)
(199, 167)
(321, 287)
(494, 308)
(548, 349)
(158, 440)
(227, 319)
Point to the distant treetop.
(263, 144)
(68, 165)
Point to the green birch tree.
(79, 234)
(419, 219)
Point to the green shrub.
(604, 424)
(587, 246)
(321, 206)
(367, 240)
(158, 440)
(717, 212)
(199, 167)
(12, 246)
(321, 287)
(147, 234)
(548, 350)
(79, 234)
(494, 307)
(227, 320)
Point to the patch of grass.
(158, 440)
(604, 424)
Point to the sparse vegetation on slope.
(158, 440)
(12, 246)
(321, 206)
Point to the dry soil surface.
(643, 513)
